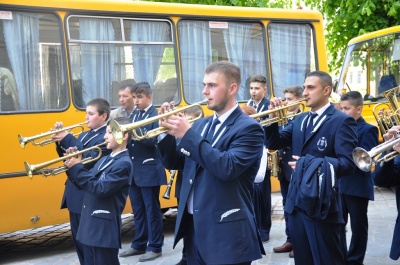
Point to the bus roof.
(374, 34)
(168, 8)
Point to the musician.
(106, 186)
(215, 214)
(97, 114)
(358, 188)
(258, 89)
(292, 94)
(126, 100)
(148, 175)
(322, 142)
(387, 174)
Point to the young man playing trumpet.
(322, 141)
(97, 113)
(148, 176)
(106, 186)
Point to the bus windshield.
(371, 66)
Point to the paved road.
(53, 245)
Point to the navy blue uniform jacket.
(334, 136)
(106, 186)
(388, 175)
(149, 171)
(73, 196)
(222, 175)
(360, 183)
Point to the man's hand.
(292, 164)
(70, 162)
(58, 136)
(274, 102)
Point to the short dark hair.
(297, 91)
(230, 70)
(194, 112)
(354, 97)
(142, 87)
(102, 106)
(324, 78)
(122, 121)
(123, 87)
(259, 78)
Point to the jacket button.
(133, 145)
(191, 181)
(133, 157)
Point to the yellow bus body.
(30, 203)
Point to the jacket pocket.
(104, 214)
(229, 215)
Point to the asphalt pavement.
(53, 244)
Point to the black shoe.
(131, 252)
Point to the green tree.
(346, 19)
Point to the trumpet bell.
(363, 159)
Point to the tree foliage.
(346, 19)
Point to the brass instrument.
(386, 119)
(118, 130)
(24, 140)
(273, 162)
(30, 169)
(366, 161)
(167, 192)
(283, 115)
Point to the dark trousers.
(104, 256)
(192, 248)
(357, 208)
(284, 191)
(84, 253)
(184, 258)
(315, 242)
(262, 206)
(148, 218)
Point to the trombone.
(30, 169)
(32, 139)
(118, 130)
(283, 115)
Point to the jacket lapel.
(321, 120)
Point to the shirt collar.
(321, 110)
(225, 116)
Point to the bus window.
(202, 42)
(372, 66)
(107, 52)
(32, 73)
(292, 54)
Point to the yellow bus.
(56, 55)
(371, 66)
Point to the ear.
(327, 90)
(233, 88)
(104, 116)
(359, 109)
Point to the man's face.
(290, 98)
(141, 100)
(126, 99)
(353, 111)
(216, 91)
(94, 119)
(257, 91)
(317, 95)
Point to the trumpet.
(118, 130)
(366, 161)
(283, 115)
(273, 162)
(30, 169)
(32, 139)
(167, 192)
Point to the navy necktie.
(310, 125)
(140, 115)
(211, 131)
